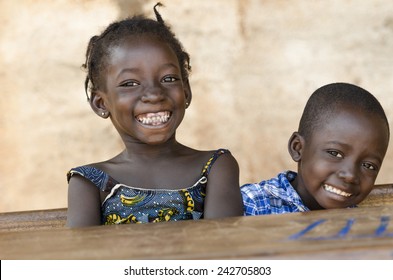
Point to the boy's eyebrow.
(338, 143)
(376, 157)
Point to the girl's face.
(338, 165)
(145, 94)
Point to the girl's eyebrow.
(169, 65)
(136, 70)
(127, 70)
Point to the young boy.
(339, 148)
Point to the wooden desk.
(33, 220)
(56, 218)
(379, 196)
(361, 233)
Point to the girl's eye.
(335, 154)
(369, 166)
(129, 84)
(169, 79)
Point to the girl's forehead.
(145, 52)
(141, 39)
(141, 45)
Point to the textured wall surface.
(254, 62)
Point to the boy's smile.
(338, 164)
(335, 190)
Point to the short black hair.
(98, 49)
(326, 100)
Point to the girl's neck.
(142, 150)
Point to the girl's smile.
(154, 119)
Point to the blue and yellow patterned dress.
(126, 204)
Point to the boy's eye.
(335, 154)
(369, 166)
(129, 84)
(169, 79)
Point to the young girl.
(137, 75)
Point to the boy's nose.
(349, 174)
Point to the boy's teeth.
(336, 191)
(154, 118)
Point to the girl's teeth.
(154, 118)
(336, 191)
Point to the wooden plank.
(33, 220)
(357, 233)
(54, 218)
(380, 195)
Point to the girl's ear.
(187, 92)
(296, 146)
(97, 103)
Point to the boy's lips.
(334, 190)
(154, 119)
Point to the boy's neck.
(307, 199)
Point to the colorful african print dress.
(126, 204)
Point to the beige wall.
(254, 65)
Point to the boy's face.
(338, 165)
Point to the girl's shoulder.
(94, 173)
(214, 155)
(211, 155)
(218, 152)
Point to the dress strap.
(206, 170)
(98, 177)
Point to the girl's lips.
(334, 190)
(154, 119)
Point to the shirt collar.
(286, 191)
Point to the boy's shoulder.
(272, 196)
(273, 189)
(282, 180)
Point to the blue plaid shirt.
(273, 196)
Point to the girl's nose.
(153, 94)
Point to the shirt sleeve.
(249, 191)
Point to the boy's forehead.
(352, 120)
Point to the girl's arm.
(223, 197)
(83, 203)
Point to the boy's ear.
(187, 92)
(295, 146)
(97, 103)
